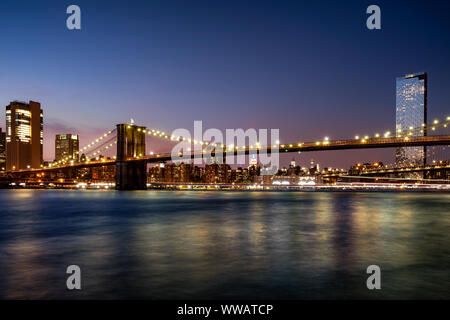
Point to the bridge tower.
(130, 175)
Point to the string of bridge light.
(399, 133)
(411, 130)
(101, 145)
(96, 141)
(402, 133)
(162, 134)
(97, 152)
(104, 148)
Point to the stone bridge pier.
(130, 175)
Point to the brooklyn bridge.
(127, 167)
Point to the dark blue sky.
(310, 69)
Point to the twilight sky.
(310, 69)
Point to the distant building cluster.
(223, 174)
(210, 173)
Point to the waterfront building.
(171, 173)
(411, 117)
(217, 173)
(103, 173)
(254, 172)
(314, 168)
(66, 147)
(24, 135)
(186, 172)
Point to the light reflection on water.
(204, 245)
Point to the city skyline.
(244, 155)
(349, 90)
(409, 114)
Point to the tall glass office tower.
(411, 114)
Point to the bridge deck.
(302, 147)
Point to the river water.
(223, 245)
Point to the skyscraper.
(24, 135)
(66, 146)
(411, 115)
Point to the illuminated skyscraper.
(66, 147)
(24, 135)
(411, 114)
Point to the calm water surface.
(205, 245)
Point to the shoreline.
(321, 189)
